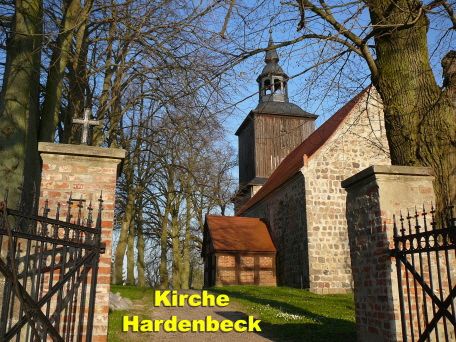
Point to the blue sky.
(329, 92)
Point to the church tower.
(270, 131)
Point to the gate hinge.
(102, 247)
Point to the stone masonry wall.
(283, 210)
(84, 172)
(373, 196)
(359, 143)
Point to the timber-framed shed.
(238, 251)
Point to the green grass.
(286, 314)
(297, 315)
(115, 317)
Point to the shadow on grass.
(323, 329)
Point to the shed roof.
(230, 233)
(292, 163)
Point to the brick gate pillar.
(374, 195)
(84, 172)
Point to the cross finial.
(86, 122)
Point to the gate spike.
(46, 208)
(89, 215)
(424, 214)
(70, 202)
(80, 206)
(100, 200)
(417, 223)
(402, 224)
(57, 216)
(100, 209)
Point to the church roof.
(285, 108)
(230, 233)
(272, 68)
(308, 148)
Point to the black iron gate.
(48, 274)
(426, 273)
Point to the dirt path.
(230, 312)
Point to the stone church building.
(290, 176)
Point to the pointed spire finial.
(271, 55)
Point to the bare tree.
(399, 43)
(107, 56)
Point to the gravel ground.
(187, 312)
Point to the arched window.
(267, 86)
(277, 86)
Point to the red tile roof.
(292, 163)
(230, 233)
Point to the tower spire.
(271, 54)
(272, 80)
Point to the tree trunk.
(419, 118)
(449, 73)
(78, 82)
(140, 245)
(177, 255)
(185, 279)
(107, 82)
(163, 269)
(131, 254)
(19, 101)
(125, 227)
(56, 75)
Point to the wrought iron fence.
(426, 269)
(49, 273)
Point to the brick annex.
(290, 178)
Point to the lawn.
(287, 314)
(115, 317)
(297, 315)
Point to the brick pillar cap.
(388, 170)
(81, 150)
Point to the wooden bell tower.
(271, 131)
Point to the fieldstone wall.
(359, 143)
(373, 196)
(283, 210)
(84, 172)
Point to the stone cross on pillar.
(86, 122)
